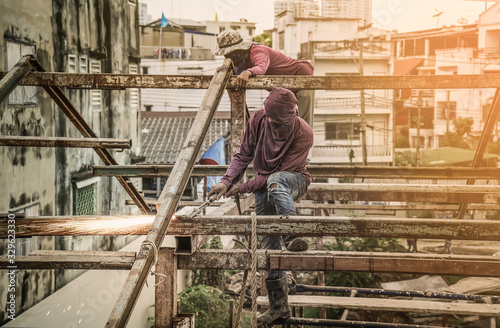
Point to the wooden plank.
(170, 197)
(348, 82)
(404, 193)
(217, 224)
(320, 171)
(462, 265)
(403, 207)
(46, 260)
(384, 304)
(112, 143)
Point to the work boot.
(278, 301)
(297, 245)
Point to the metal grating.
(86, 200)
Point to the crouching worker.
(278, 141)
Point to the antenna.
(437, 14)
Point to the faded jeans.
(283, 188)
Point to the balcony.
(344, 49)
(177, 53)
(340, 154)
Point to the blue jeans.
(283, 188)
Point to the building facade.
(77, 37)
(360, 9)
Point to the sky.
(401, 15)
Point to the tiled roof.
(163, 137)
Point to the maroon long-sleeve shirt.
(294, 159)
(267, 61)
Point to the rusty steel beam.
(238, 118)
(489, 125)
(11, 79)
(404, 193)
(66, 142)
(267, 225)
(166, 287)
(320, 171)
(169, 198)
(82, 260)
(353, 82)
(239, 259)
(82, 126)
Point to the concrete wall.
(96, 30)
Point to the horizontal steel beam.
(460, 265)
(404, 193)
(65, 142)
(353, 82)
(321, 171)
(294, 321)
(266, 225)
(84, 260)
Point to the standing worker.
(251, 59)
(278, 142)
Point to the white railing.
(340, 154)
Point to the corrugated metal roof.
(163, 137)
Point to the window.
(25, 245)
(72, 64)
(85, 197)
(145, 70)
(148, 108)
(84, 64)
(21, 95)
(281, 39)
(134, 92)
(96, 95)
(342, 131)
(187, 70)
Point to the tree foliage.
(462, 126)
(208, 303)
(265, 38)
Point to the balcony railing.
(352, 102)
(337, 48)
(177, 53)
(340, 154)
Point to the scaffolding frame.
(29, 72)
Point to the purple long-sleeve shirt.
(294, 160)
(267, 61)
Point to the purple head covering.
(282, 118)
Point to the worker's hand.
(233, 191)
(242, 79)
(219, 188)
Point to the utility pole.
(363, 113)
(448, 112)
(419, 105)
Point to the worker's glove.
(233, 191)
(219, 188)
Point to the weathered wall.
(98, 30)
(27, 175)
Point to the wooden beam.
(10, 80)
(349, 82)
(166, 288)
(215, 224)
(491, 122)
(403, 207)
(404, 193)
(385, 304)
(320, 171)
(461, 265)
(83, 260)
(66, 142)
(86, 131)
(170, 197)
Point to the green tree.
(462, 126)
(265, 38)
(208, 303)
